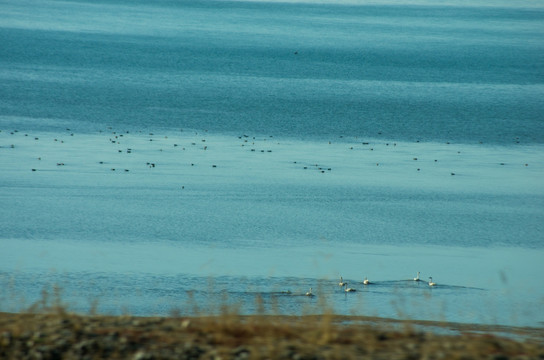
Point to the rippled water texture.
(461, 72)
(177, 155)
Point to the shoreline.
(230, 336)
(446, 328)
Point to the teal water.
(292, 143)
(417, 72)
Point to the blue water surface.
(169, 157)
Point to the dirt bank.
(67, 336)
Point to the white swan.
(417, 277)
(341, 283)
(431, 283)
(309, 293)
(348, 289)
(365, 281)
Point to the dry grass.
(60, 335)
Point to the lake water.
(179, 155)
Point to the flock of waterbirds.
(344, 285)
(252, 142)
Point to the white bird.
(431, 283)
(341, 283)
(309, 293)
(365, 281)
(348, 289)
(417, 277)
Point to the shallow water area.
(490, 288)
(150, 218)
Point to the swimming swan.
(417, 277)
(309, 293)
(431, 283)
(348, 289)
(341, 283)
(365, 281)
